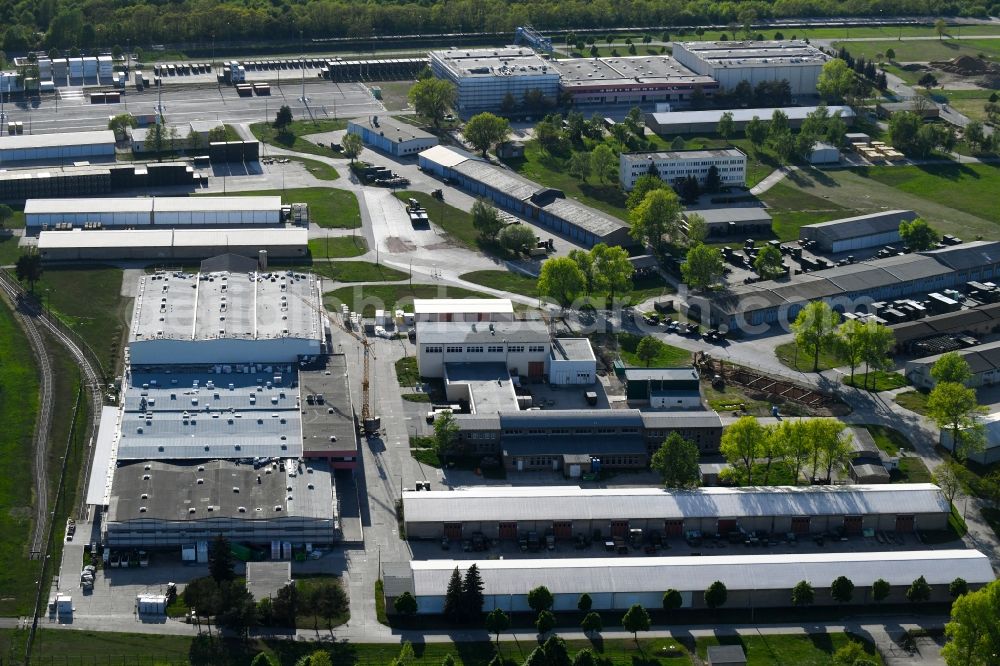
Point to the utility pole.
(303, 99)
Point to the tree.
(352, 145)
(918, 591)
(536, 657)
(948, 477)
(842, 589)
(545, 622)
(672, 600)
(585, 657)
(677, 143)
(432, 98)
(703, 267)
(697, 228)
(202, 596)
(851, 653)
(453, 598)
(448, 661)
(756, 130)
(643, 186)
(221, 564)
(741, 444)
(485, 130)
(591, 623)
(118, 123)
(217, 134)
(918, 235)
(584, 603)
(877, 341)
(237, 610)
(636, 619)
(890, 54)
(540, 599)
(263, 659)
(648, 349)
(940, 28)
(975, 136)
(677, 459)
(778, 125)
(726, 126)
(579, 166)
(769, 263)
(516, 238)
(880, 590)
(612, 269)
(405, 604)
(835, 80)
(954, 406)
(6, 212)
(815, 329)
(850, 343)
(285, 606)
(958, 587)
(486, 220)
(555, 651)
(829, 446)
(971, 631)
(508, 104)
(716, 595)
(472, 593)
(803, 594)
(561, 280)
(585, 261)
(157, 139)
(329, 601)
(283, 118)
(446, 431)
(796, 445)
(603, 162)
(497, 622)
(951, 367)
(904, 133)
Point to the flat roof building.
(160, 211)
(462, 309)
(522, 346)
(484, 77)
(663, 388)
(503, 512)
(730, 165)
(328, 429)
(698, 122)
(856, 233)
(214, 318)
(540, 205)
(741, 221)
(58, 148)
(391, 136)
(983, 360)
(629, 80)
(729, 63)
(170, 244)
(572, 362)
(751, 580)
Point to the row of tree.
(818, 329)
(603, 271)
(754, 450)
(515, 238)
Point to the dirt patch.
(443, 245)
(397, 245)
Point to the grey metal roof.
(516, 186)
(855, 227)
(330, 426)
(660, 374)
(589, 219)
(911, 267)
(695, 574)
(981, 358)
(478, 421)
(570, 418)
(572, 503)
(968, 255)
(572, 349)
(862, 441)
(858, 277)
(805, 287)
(55, 140)
(392, 129)
(490, 386)
(573, 445)
(681, 420)
(794, 113)
(733, 214)
(458, 332)
(578, 73)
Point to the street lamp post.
(303, 98)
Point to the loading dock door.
(453, 531)
(563, 529)
(727, 525)
(904, 523)
(800, 524)
(536, 368)
(508, 531)
(852, 524)
(673, 527)
(619, 528)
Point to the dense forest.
(89, 24)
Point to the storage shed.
(856, 233)
(60, 148)
(824, 153)
(753, 581)
(663, 388)
(504, 512)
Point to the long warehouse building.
(504, 512)
(730, 63)
(857, 233)
(752, 581)
(61, 148)
(171, 244)
(158, 211)
(707, 120)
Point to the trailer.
(151, 604)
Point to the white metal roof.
(101, 205)
(462, 305)
(574, 503)
(445, 156)
(102, 469)
(742, 115)
(220, 238)
(737, 572)
(184, 204)
(67, 139)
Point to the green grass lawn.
(455, 222)
(889, 439)
(992, 518)
(791, 357)
(394, 94)
(926, 50)
(320, 170)
(879, 380)
(328, 208)
(912, 470)
(669, 357)
(791, 208)
(964, 187)
(391, 297)
(293, 139)
(9, 250)
(515, 283)
(970, 103)
(304, 585)
(406, 371)
(800, 650)
(915, 401)
(337, 247)
(357, 271)
(18, 412)
(88, 300)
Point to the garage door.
(453, 530)
(619, 528)
(508, 531)
(536, 368)
(563, 529)
(904, 523)
(852, 524)
(673, 527)
(800, 524)
(726, 526)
